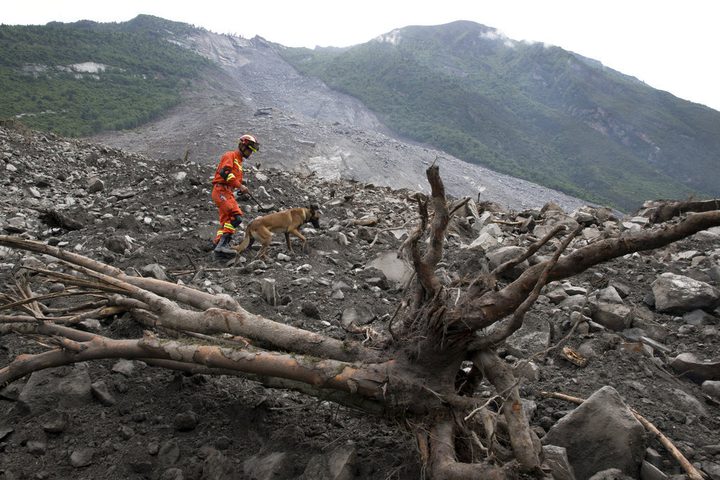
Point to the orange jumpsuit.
(228, 177)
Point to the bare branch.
(500, 334)
(500, 269)
(180, 293)
(442, 457)
(659, 212)
(441, 217)
(487, 309)
(319, 373)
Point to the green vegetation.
(531, 111)
(535, 112)
(142, 74)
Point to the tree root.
(444, 466)
(525, 448)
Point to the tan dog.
(286, 221)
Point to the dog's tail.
(247, 241)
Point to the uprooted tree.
(412, 370)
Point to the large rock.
(695, 369)
(678, 293)
(394, 268)
(614, 316)
(600, 434)
(63, 387)
(504, 254)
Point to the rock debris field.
(640, 332)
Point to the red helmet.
(249, 141)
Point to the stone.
(600, 434)
(609, 295)
(124, 367)
(695, 369)
(186, 421)
(101, 391)
(169, 453)
(64, 387)
(118, 244)
(614, 316)
(678, 293)
(501, 255)
(712, 388)
(81, 457)
(172, 474)
(55, 421)
(154, 270)
(36, 447)
(269, 291)
(557, 295)
(310, 309)
(95, 185)
(395, 269)
(356, 315)
(688, 403)
(484, 241)
(699, 317)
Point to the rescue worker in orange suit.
(228, 178)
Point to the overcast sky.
(670, 45)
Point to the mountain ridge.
(586, 148)
(528, 109)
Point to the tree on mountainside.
(411, 370)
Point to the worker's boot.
(222, 249)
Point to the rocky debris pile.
(305, 126)
(639, 332)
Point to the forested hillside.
(529, 110)
(81, 78)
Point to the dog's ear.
(314, 208)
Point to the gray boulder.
(395, 269)
(600, 434)
(614, 316)
(504, 254)
(678, 293)
(63, 387)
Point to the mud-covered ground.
(167, 425)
